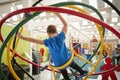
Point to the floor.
(47, 75)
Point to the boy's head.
(51, 29)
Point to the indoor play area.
(89, 30)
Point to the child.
(58, 50)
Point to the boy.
(58, 50)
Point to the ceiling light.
(115, 19)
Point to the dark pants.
(74, 66)
(118, 60)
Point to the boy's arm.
(65, 25)
(30, 39)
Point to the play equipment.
(49, 9)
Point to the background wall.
(22, 47)
(45, 53)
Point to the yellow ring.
(64, 65)
(9, 61)
(8, 57)
(101, 48)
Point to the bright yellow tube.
(53, 71)
(100, 56)
(9, 57)
(17, 41)
(9, 61)
(80, 57)
(101, 41)
(66, 64)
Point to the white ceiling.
(2, 2)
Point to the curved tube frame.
(58, 10)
